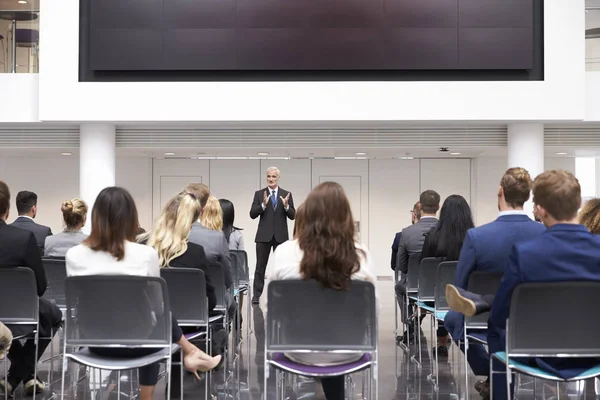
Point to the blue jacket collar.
(514, 218)
(568, 228)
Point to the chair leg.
(37, 337)
(118, 385)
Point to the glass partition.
(592, 35)
(19, 36)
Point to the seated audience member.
(111, 250)
(75, 215)
(19, 248)
(415, 215)
(212, 240)
(590, 216)
(212, 215)
(486, 248)
(170, 239)
(566, 251)
(445, 241)
(234, 236)
(411, 242)
(6, 339)
(323, 249)
(27, 209)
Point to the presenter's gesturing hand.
(266, 198)
(285, 201)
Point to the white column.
(96, 162)
(526, 150)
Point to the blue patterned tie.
(274, 199)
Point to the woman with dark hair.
(323, 249)
(445, 241)
(232, 233)
(111, 250)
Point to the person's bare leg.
(146, 392)
(195, 360)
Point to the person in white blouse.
(323, 249)
(111, 250)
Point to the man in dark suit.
(411, 242)
(274, 205)
(486, 248)
(18, 248)
(27, 209)
(566, 251)
(415, 214)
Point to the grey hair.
(273, 169)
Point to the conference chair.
(427, 274)
(475, 328)
(445, 274)
(143, 320)
(19, 307)
(533, 311)
(189, 303)
(346, 323)
(411, 280)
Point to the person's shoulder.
(138, 249)
(17, 233)
(195, 248)
(287, 247)
(78, 252)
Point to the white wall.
(559, 97)
(592, 95)
(19, 97)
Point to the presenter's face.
(272, 179)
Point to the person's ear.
(500, 191)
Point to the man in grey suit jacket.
(412, 239)
(27, 208)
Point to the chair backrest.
(483, 283)
(304, 316)
(427, 278)
(56, 273)
(109, 310)
(539, 308)
(445, 274)
(412, 277)
(242, 265)
(187, 294)
(19, 300)
(217, 279)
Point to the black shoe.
(32, 385)
(442, 351)
(464, 302)
(255, 301)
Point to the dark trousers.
(22, 356)
(262, 258)
(477, 357)
(333, 387)
(400, 289)
(149, 373)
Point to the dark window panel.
(495, 48)
(126, 49)
(496, 13)
(346, 13)
(273, 14)
(422, 48)
(198, 14)
(197, 49)
(130, 14)
(421, 13)
(271, 49)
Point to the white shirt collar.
(25, 216)
(276, 190)
(512, 212)
(428, 216)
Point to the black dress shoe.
(255, 301)
(464, 302)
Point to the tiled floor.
(399, 378)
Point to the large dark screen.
(308, 35)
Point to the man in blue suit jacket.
(487, 248)
(565, 252)
(415, 217)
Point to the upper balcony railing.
(19, 36)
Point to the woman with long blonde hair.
(212, 216)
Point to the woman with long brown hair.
(323, 249)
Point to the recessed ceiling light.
(455, 154)
(361, 154)
(263, 154)
(66, 153)
(169, 154)
(407, 158)
(22, 2)
(561, 153)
